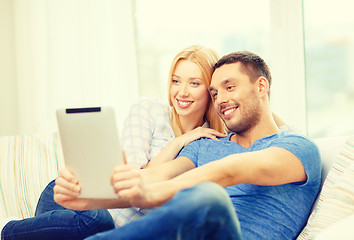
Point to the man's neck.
(265, 127)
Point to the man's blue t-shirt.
(267, 212)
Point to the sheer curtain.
(72, 53)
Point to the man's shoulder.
(300, 145)
(208, 142)
(294, 137)
(288, 140)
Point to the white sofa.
(29, 162)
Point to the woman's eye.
(230, 87)
(195, 84)
(175, 81)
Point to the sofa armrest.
(27, 164)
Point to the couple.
(271, 177)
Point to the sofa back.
(27, 164)
(336, 198)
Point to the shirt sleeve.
(137, 132)
(191, 151)
(306, 151)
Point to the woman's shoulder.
(151, 106)
(149, 102)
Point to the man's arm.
(271, 166)
(125, 179)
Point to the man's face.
(235, 98)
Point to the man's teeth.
(229, 111)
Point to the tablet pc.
(91, 148)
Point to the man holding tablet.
(271, 178)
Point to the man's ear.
(263, 85)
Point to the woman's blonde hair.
(205, 58)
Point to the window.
(225, 25)
(308, 45)
(329, 45)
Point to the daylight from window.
(329, 41)
(231, 25)
(162, 32)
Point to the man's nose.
(221, 98)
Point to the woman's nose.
(183, 90)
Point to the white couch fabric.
(27, 164)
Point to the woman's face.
(188, 92)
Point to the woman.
(149, 127)
(158, 132)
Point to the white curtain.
(72, 53)
(288, 96)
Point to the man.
(271, 177)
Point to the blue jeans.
(202, 212)
(53, 221)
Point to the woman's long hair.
(205, 58)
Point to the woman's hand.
(172, 149)
(200, 132)
(67, 190)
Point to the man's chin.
(237, 127)
(231, 126)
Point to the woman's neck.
(190, 123)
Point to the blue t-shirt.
(267, 212)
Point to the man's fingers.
(130, 193)
(123, 172)
(125, 168)
(127, 184)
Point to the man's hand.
(128, 184)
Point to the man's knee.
(205, 195)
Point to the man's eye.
(230, 87)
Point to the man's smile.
(228, 111)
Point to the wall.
(8, 85)
(64, 53)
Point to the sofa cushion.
(330, 148)
(336, 199)
(27, 164)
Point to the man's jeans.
(202, 212)
(53, 221)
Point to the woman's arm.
(278, 121)
(137, 132)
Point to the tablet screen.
(91, 148)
